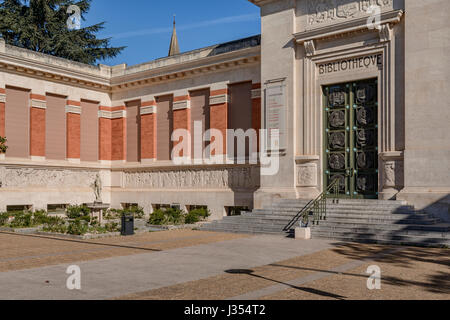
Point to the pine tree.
(41, 25)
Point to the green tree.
(41, 25)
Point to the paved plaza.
(186, 264)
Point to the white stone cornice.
(347, 27)
(219, 99)
(73, 109)
(112, 114)
(40, 104)
(47, 71)
(148, 110)
(178, 71)
(181, 105)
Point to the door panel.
(351, 138)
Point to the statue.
(97, 186)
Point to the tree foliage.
(41, 25)
(3, 146)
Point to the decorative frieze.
(73, 109)
(40, 104)
(45, 177)
(148, 110)
(181, 105)
(112, 114)
(240, 178)
(328, 11)
(219, 99)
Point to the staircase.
(368, 221)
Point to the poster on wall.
(275, 112)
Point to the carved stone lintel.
(310, 47)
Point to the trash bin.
(127, 225)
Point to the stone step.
(381, 239)
(339, 209)
(245, 231)
(443, 227)
(248, 226)
(381, 230)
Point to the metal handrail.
(316, 208)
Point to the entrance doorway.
(351, 138)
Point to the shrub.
(74, 212)
(197, 215)
(137, 211)
(4, 217)
(3, 146)
(77, 227)
(112, 227)
(157, 218)
(174, 216)
(22, 220)
(55, 225)
(40, 217)
(169, 216)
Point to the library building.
(354, 89)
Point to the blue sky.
(145, 26)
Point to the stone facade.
(306, 47)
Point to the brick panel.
(219, 121)
(37, 132)
(118, 127)
(105, 135)
(2, 119)
(73, 135)
(148, 136)
(181, 120)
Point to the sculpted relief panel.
(327, 11)
(33, 177)
(241, 178)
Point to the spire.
(174, 48)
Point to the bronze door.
(351, 137)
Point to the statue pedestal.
(97, 210)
